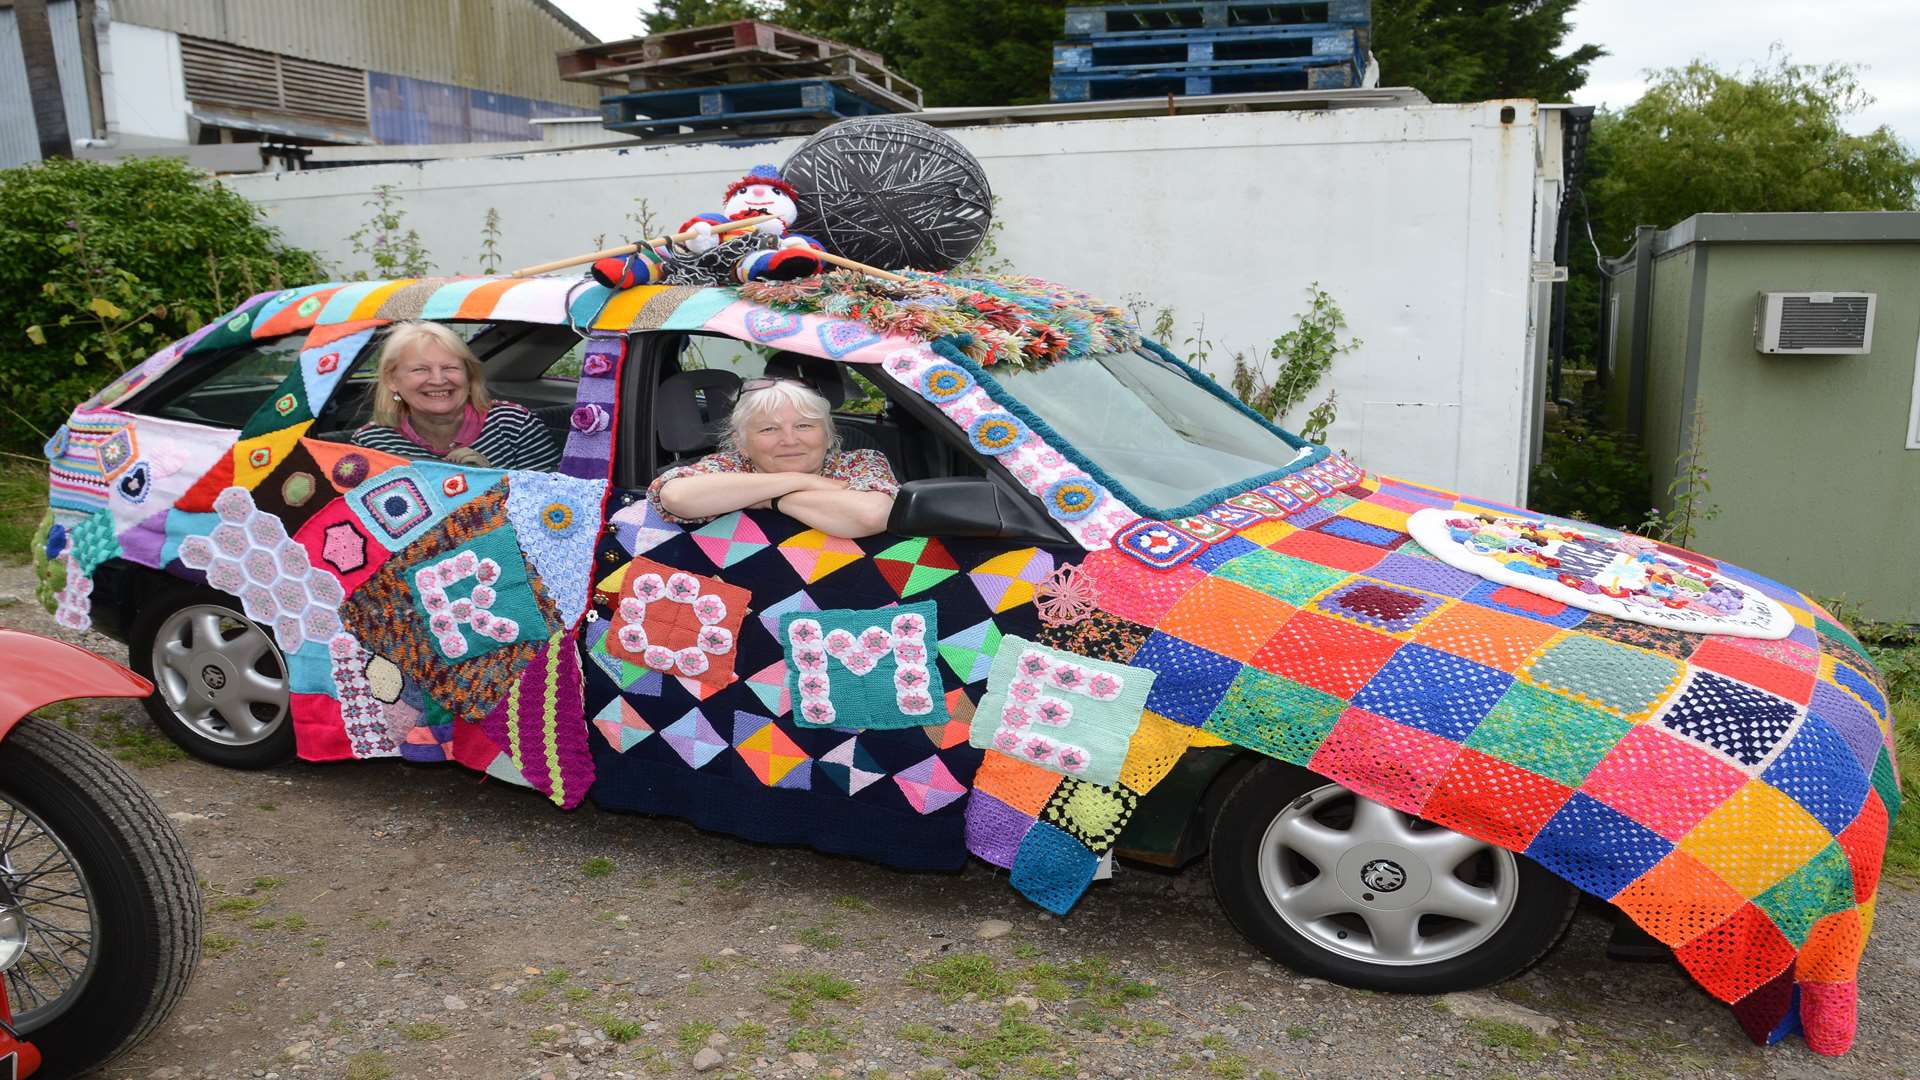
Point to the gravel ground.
(383, 921)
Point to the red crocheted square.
(1226, 618)
(1755, 670)
(1490, 800)
(1865, 842)
(1136, 592)
(1679, 899)
(677, 623)
(1326, 654)
(1828, 1015)
(1522, 600)
(1739, 956)
(1385, 761)
(1349, 555)
(1661, 781)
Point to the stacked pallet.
(744, 78)
(1211, 47)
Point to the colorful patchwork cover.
(1732, 793)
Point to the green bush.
(101, 264)
(1591, 472)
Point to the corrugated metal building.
(283, 74)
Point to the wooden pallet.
(665, 112)
(1212, 15)
(755, 65)
(1146, 52)
(1311, 74)
(581, 64)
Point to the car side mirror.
(970, 506)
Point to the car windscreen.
(1163, 438)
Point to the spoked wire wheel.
(48, 919)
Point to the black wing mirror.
(971, 507)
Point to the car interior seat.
(690, 412)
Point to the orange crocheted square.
(1755, 670)
(1679, 899)
(1738, 956)
(1341, 554)
(1226, 618)
(1833, 948)
(1326, 654)
(1488, 799)
(1865, 842)
(1387, 762)
(1485, 636)
(1020, 785)
(1662, 781)
(1755, 838)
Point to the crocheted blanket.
(1619, 574)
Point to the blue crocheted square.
(1363, 532)
(1740, 721)
(1851, 719)
(1819, 771)
(1231, 548)
(1858, 683)
(1597, 847)
(1191, 680)
(1435, 691)
(1566, 618)
(1053, 869)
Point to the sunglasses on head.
(765, 381)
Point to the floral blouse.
(862, 470)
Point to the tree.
(1702, 140)
(681, 14)
(1475, 50)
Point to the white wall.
(144, 85)
(1419, 221)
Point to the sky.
(1883, 36)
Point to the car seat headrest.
(825, 375)
(691, 411)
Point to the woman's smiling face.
(784, 440)
(431, 381)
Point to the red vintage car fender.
(36, 672)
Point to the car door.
(698, 634)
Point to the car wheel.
(99, 906)
(220, 682)
(1338, 886)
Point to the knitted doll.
(766, 251)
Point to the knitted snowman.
(766, 251)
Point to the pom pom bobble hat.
(762, 174)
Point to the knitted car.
(1412, 726)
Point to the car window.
(531, 364)
(1165, 439)
(224, 388)
(712, 352)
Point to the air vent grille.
(1839, 323)
(221, 74)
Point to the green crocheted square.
(1818, 889)
(1548, 733)
(1276, 716)
(1091, 814)
(1831, 629)
(1296, 581)
(1886, 783)
(1333, 504)
(1621, 677)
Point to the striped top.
(510, 438)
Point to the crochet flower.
(1023, 691)
(817, 712)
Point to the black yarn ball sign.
(891, 192)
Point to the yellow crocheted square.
(1203, 739)
(1866, 915)
(1755, 838)
(1267, 532)
(1374, 514)
(1156, 745)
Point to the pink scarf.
(471, 423)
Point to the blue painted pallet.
(657, 111)
(1191, 82)
(1141, 52)
(1212, 15)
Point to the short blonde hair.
(407, 338)
(751, 405)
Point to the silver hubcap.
(221, 675)
(1369, 882)
(47, 919)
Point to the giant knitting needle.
(729, 226)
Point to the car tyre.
(91, 860)
(221, 689)
(1337, 886)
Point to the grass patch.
(263, 924)
(1498, 1034)
(137, 744)
(576, 993)
(1903, 845)
(851, 903)
(1010, 1043)
(294, 923)
(619, 1030)
(816, 1040)
(235, 905)
(956, 976)
(598, 866)
(385, 963)
(218, 944)
(369, 1065)
(1230, 1067)
(693, 1034)
(1296, 1032)
(801, 990)
(426, 1031)
(268, 882)
(23, 502)
(750, 1037)
(819, 937)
